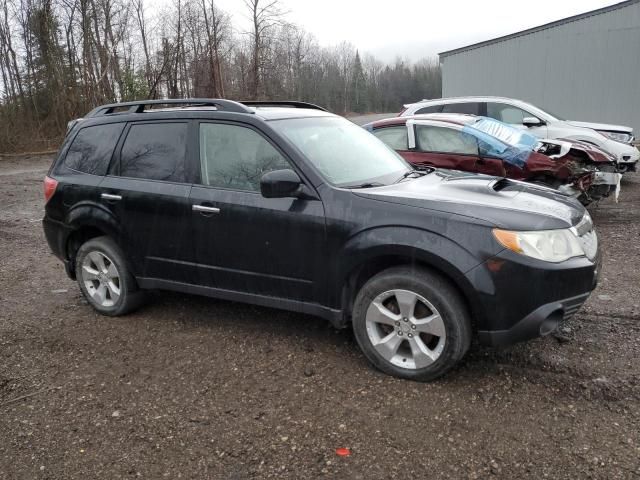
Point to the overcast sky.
(416, 28)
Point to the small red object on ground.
(343, 452)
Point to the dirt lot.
(191, 387)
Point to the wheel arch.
(87, 221)
(370, 266)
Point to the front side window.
(395, 137)
(344, 153)
(471, 108)
(507, 113)
(155, 151)
(92, 148)
(236, 157)
(445, 140)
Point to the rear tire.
(411, 323)
(104, 279)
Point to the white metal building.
(585, 67)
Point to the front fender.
(420, 246)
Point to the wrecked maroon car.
(483, 145)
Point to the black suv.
(288, 206)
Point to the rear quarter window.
(91, 149)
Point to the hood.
(594, 153)
(500, 202)
(601, 126)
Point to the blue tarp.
(500, 140)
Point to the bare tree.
(265, 15)
(60, 58)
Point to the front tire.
(411, 323)
(104, 279)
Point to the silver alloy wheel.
(406, 329)
(101, 278)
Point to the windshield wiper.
(421, 171)
(365, 185)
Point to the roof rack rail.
(282, 103)
(138, 106)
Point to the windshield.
(535, 111)
(551, 114)
(508, 134)
(344, 153)
(500, 140)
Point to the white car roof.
(512, 101)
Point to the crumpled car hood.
(601, 126)
(499, 201)
(596, 154)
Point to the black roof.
(546, 26)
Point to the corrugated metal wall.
(588, 69)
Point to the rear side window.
(445, 140)
(91, 149)
(236, 157)
(431, 109)
(155, 151)
(471, 108)
(395, 137)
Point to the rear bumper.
(57, 234)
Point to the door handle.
(110, 196)
(205, 209)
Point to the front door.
(243, 241)
(445, 147)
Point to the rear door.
(147, 190)
(243, 241)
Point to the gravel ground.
(191, 387)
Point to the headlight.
(547, 245)
(618, 137)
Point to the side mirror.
(280, 184)
(532, 122)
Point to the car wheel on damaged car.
(296, 208)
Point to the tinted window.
(470, 108)
(506, 113)
(236, 157)
(395, 137)
(92, 148)
(445, 140)
(431, 109)
(155, 152)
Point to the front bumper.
(607, 178)
(542, 321)
(520, 298)
(630, 158)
